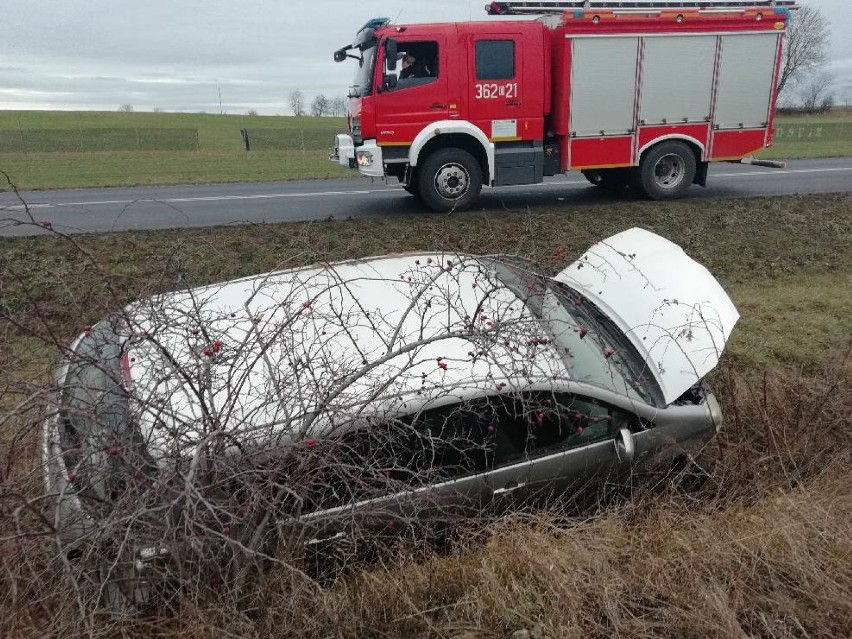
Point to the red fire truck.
(644, 95)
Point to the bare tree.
(338, 106)
(816, 95)
(297, 102)
(252, 112)
(320, 106)
(847, 96)
(806, 45)
(125, 108)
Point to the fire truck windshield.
(363, 84)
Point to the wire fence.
(98, 139)
(286, 139)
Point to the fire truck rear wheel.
(667, 170)
(449, 180)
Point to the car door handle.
(439, 106)
(508, 489)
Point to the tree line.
(320, 106)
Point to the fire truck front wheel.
(412, 189)
(667, 170)
(449, 180)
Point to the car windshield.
(363, 84)
(594, 350)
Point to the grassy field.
(757, 543)
(286, 148)
(221, 155)
(812, 136)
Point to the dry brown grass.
(753, 539)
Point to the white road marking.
(390, 189)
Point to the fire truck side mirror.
(391, 54)
(390, 81)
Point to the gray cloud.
(98, 54)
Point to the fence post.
(138, 139)
(23, 137)
(302, 134)
(197, 145)
(80, 126)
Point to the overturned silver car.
(379, 392)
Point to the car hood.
(672, 309)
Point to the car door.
(408, 104)
(565, 445)
(421, 471)
(506, 90)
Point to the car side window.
(385, 456)
(541, 424)
(417, 64)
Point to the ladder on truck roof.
(557, 6)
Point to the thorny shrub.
(247, 417)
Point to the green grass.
(814, 136)
(289, 148)
(284, 148)
(215, 132)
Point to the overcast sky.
(178, 55)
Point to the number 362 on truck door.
(494, 91)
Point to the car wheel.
(667, 170)
(449, 180)
(609, 179)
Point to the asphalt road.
(121, 209)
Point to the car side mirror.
(390, 81)
(391, 52)
(625, 446)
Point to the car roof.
(361, 338)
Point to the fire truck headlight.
(364, 158)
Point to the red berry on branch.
(113, 451)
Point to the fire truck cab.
(640, 95)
